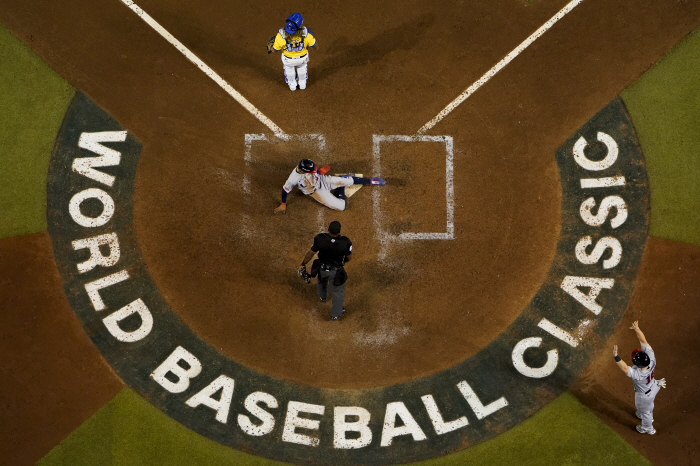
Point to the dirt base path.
(53, 377)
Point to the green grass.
(563, 433)
(34, 100)
(130, 431)
(665, 108)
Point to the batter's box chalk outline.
(384, 236)
(261, 137)
(249, 159)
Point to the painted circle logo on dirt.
(605, 210)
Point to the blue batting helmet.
(294, 22)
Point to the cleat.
(376, 181)
(641, 430)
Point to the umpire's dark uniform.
(333, 252)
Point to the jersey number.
(296, 46)
(650, 377)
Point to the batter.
(642, 375)
(310, 182)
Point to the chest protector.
(295, 42)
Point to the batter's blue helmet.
(294, 22)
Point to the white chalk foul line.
(208, 71)
(499, 66)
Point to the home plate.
(350, 190)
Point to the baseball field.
(542, 193)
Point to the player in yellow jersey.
(294, 41)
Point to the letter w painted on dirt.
(107, 157)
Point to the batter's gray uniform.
(319, 187)
(645, 389)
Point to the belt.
(328, 267)
(300, 56)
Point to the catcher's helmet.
(640, 358)
(294, 23)
(306, 166)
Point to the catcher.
(293, 41)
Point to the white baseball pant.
(323, 191)
(645, 406)
(293, 68)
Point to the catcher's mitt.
(270, 43)
(304, 275)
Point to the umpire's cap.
(640, 358)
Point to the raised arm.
(618, 360)
(640, 335)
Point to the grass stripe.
(129, 431)
(34, 101)
(664, 105)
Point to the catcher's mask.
(306, 166)
(640, 358)
(304, 275)
(294, 23)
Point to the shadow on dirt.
(599, 399)
(339, 54)
(344, 55)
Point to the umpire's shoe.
(341, 315)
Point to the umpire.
(333, 252)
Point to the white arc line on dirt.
(498, 66)
(208, 71)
